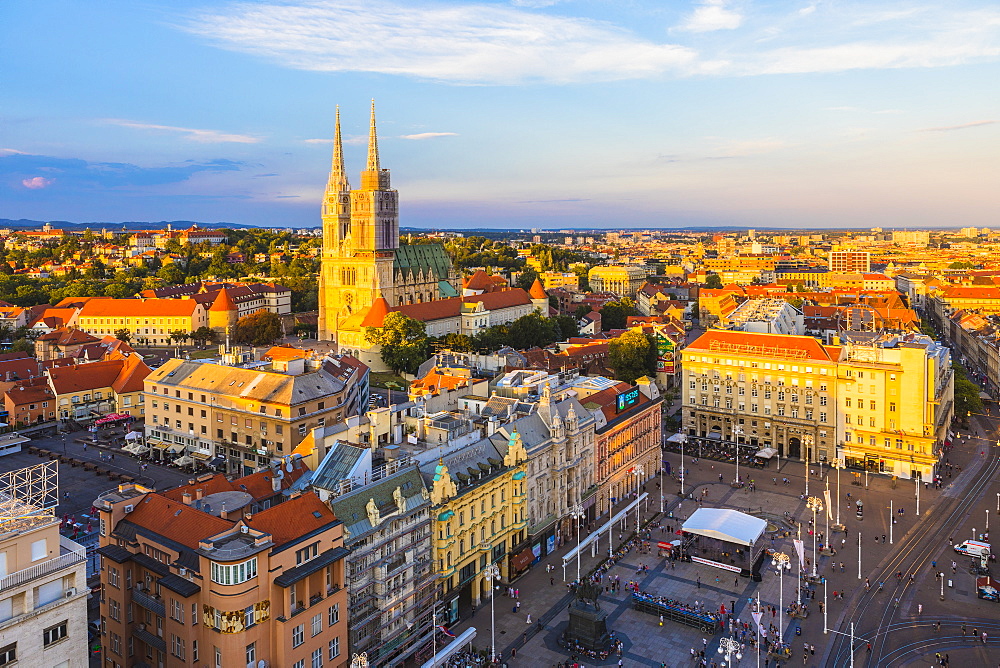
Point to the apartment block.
(242, 416)
(43, 579)
(191, 578)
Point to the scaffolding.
(28, 497)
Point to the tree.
(581, 311)
(257, 329)
(179, 335)
(461, 343)
(530, 331)
(967, 398)
(614, 315)
(632, 355)
(526, 279)
(567, 325)
(403, 340)
(713, 281)
(23, 346)
(123, 335)
(203, 335)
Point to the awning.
(983, 395)
(139, 450)
(217, 461)
(183, 461)
(133, 435)
(677, 438)
(766, 453)
(203, 456)
(160, 445)
(522, 559)
(175, 448)
(731, 526)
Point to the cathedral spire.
(373, 144)
(338, 175)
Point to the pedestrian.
(812, 649)
(963, 629)
(842, 567)
(984, 637)
(528, 621)
(699, 582)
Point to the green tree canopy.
(123, 335)
(713, 281)
(632, 355)
(614, 315)
(404, 342)
(258, 329)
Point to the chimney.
(223, 513)
(198, 493)
(275, 484)
(186, 498)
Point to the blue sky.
(528, 113)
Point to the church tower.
(360, 236)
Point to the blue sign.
(627, 399)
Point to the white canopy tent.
(766, 453)
(731, 526)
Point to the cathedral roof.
(537, 291)
(411, 258)
(376, 314)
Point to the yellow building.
(478, 497)
(556, 279)
(621, 280)
(881, 404)
(147, 320)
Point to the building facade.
(850, 262)
(242, 418)
(148, 321)
(883, 404)
(478, 507)
(202, 581)
(621, 280)
(43, 579)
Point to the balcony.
(149, 602)
(70, 554)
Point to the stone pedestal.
(838, 528)
(589, 628)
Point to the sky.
(518, 114)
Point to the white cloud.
(36, 183)
(459, 44)
(963, 126)
(11, 151)
(487, 44)
(318, 141)
(430, 135)
(712, 15)
(203, 136)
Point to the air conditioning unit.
(129, 508)
(183, 572)
(71, 592)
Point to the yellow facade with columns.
(478, 519)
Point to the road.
(899, 633)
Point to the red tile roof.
(722, 342)
(537, 291)
(293, 519)
(176, 521)
(376, 314)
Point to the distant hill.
(24, 224)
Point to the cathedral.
(363, 264)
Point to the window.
(114, 609)
(306, 553)
(298, 635)
(847, 402)
(301, 663)
(317, 658)
(317, 625)
(116, 643)
(176, 610)
(38, 550)
(113, 576)
(334, 648)
(302, 429)
(892, 406)
(235, 573)
(8, 654)
(54, 633)
(177, 646)
(333, 615)
(822, 401)
(251, 653)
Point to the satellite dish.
(288, 466)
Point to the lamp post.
(807, 442)
(814, 503)
(917, 479)
(730, 647)
(684, 440)
(737, 432)
(892, 520)
(781, 561)
(838, 464)
(577, 513)
(492, 574)
(360, 660)
(827, 550)
(639, 471)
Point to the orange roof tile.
(376, 314)
(293, 519)
(480, 280)
(137, 308)
(176, 521)
(537, 291)
(223, 302)
(722, 342)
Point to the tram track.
(917, 547)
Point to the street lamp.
(360, 660)
(737, 431)
(814, 503)
(639, 472)
(492, 574)
(577, 513)
(807, 442)
(684, 440)
(782, 562)
(838, 464)
(730, 647)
